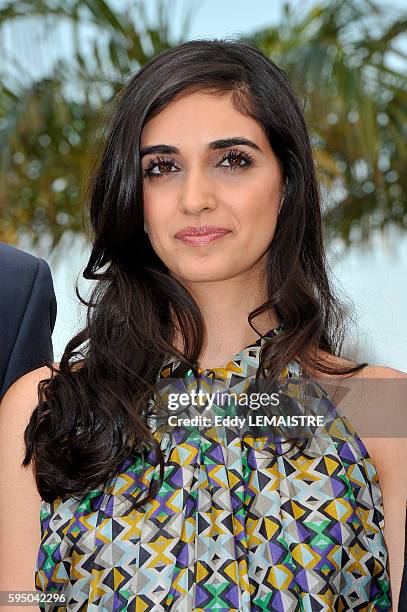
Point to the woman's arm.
(389, 456)
(19, 499)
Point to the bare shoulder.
(376, 371)
(17, 407)
(369, 371)
(374, 399)
(24, 391)
(386, 405)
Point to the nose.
(197, 193)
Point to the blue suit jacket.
(27, 314)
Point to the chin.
(200, 274)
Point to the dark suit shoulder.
(27, 314)
(14, 259)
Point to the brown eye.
(162, 165)
(235, 158)
(235, 161)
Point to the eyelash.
(231, 155)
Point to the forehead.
(200, 117)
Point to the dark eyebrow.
(223, 143)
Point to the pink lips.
(201, 234)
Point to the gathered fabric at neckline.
(232, 366)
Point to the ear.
(145, 227)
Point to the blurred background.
(62, 61)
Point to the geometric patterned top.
(234, 526)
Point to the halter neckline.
(171, 366)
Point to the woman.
(206, 215)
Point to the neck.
(225, 306)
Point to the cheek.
(257, 209)
(160, 197)
(155, 211)
(158, 217)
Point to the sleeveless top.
(233, 527)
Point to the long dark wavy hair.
(89, 417)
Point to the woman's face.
(196, 177)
